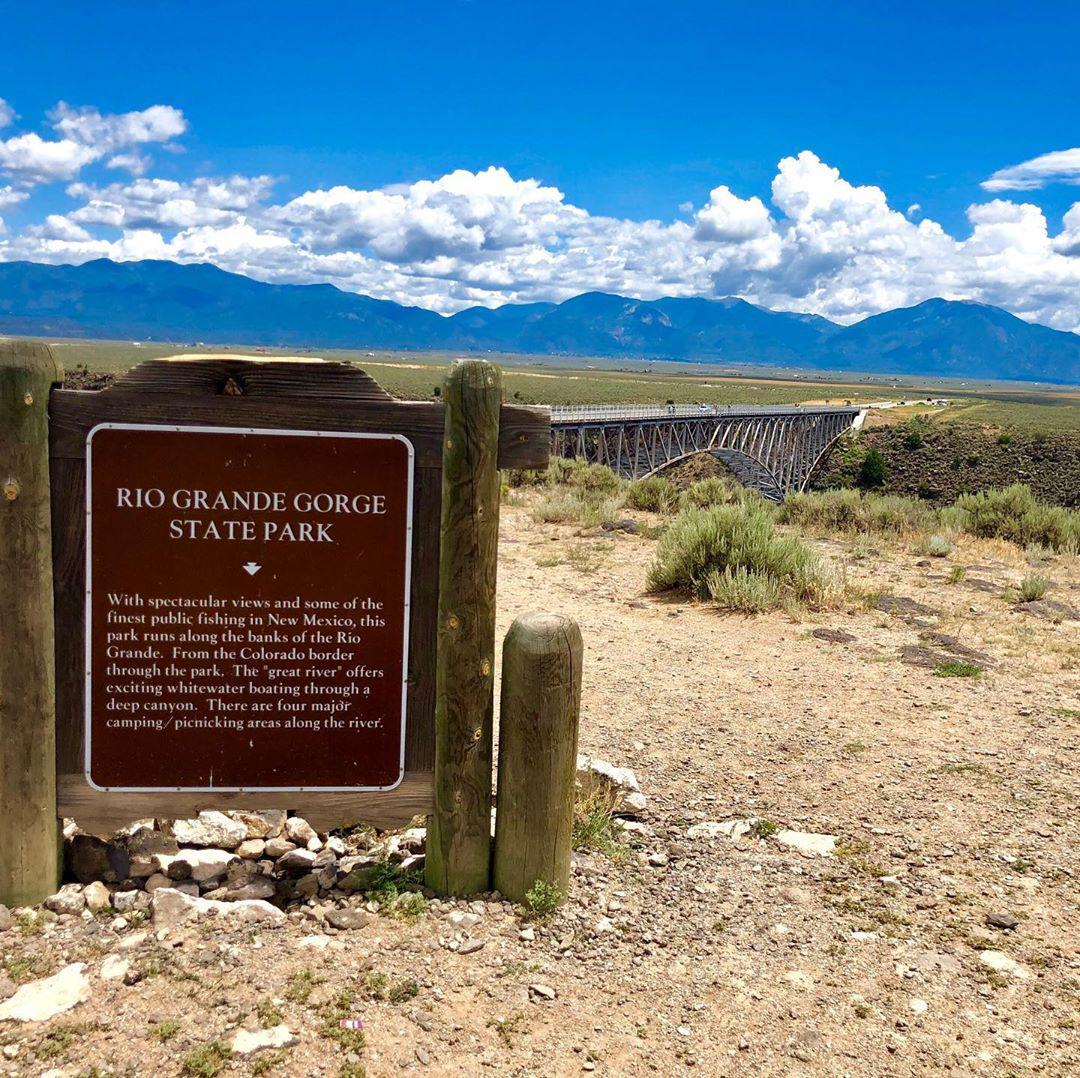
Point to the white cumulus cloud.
(106, 133)
(1060, 166)
(819, 243)
(36, 160)
(86, 135)
(168, 204)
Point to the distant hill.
(957, 339)
(166, 301)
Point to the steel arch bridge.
(773, 450)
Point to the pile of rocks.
(227, 857)
(264, 859)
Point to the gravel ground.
(686, 948)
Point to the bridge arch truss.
(773, 450)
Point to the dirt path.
(952, 799)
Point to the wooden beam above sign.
(285, 393)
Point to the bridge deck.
(575, 414)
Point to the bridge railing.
(616, 413)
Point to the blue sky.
(625, 114)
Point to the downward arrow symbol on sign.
(252, 567)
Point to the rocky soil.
(844, 865)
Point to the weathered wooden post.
(538, 733)
(29, 849)
(459, 839)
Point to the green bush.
(654, 495)
(915, 431)
(542, 900)
(595, 478)
(733, 555)
(872, 471)
(716, 490)
(957, 668)
(1014, 513)
(1033, 587)
(852, 512)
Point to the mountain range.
(167, 301)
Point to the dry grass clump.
(1013, 514)
(733, 556)
(580, 493)
(658, 494)
(562, 506)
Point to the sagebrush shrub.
(853, 512)
(716, 490)
(1014, 513)
(1033, 587)
(654, 494)
(733, 555)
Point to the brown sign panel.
(247, 608)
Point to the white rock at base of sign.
(210, 828)
(69, 899)
(807, 842)
(207, 864)
(246, 1042)
(277, 847)
(620, 782)
(114, 968)
(299, 830)
(265, 823)
(313, 943)
(41, 1000)
(244, 888)
(1000, 962)
(173, 909)
(97, 896)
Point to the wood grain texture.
(101, 813)
(459, 834)
(301, 395)
(253, 376)
(271, 394)
(538, 735)
(29, 850)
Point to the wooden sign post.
(29, 850)
(271, 585)
(459, 843)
